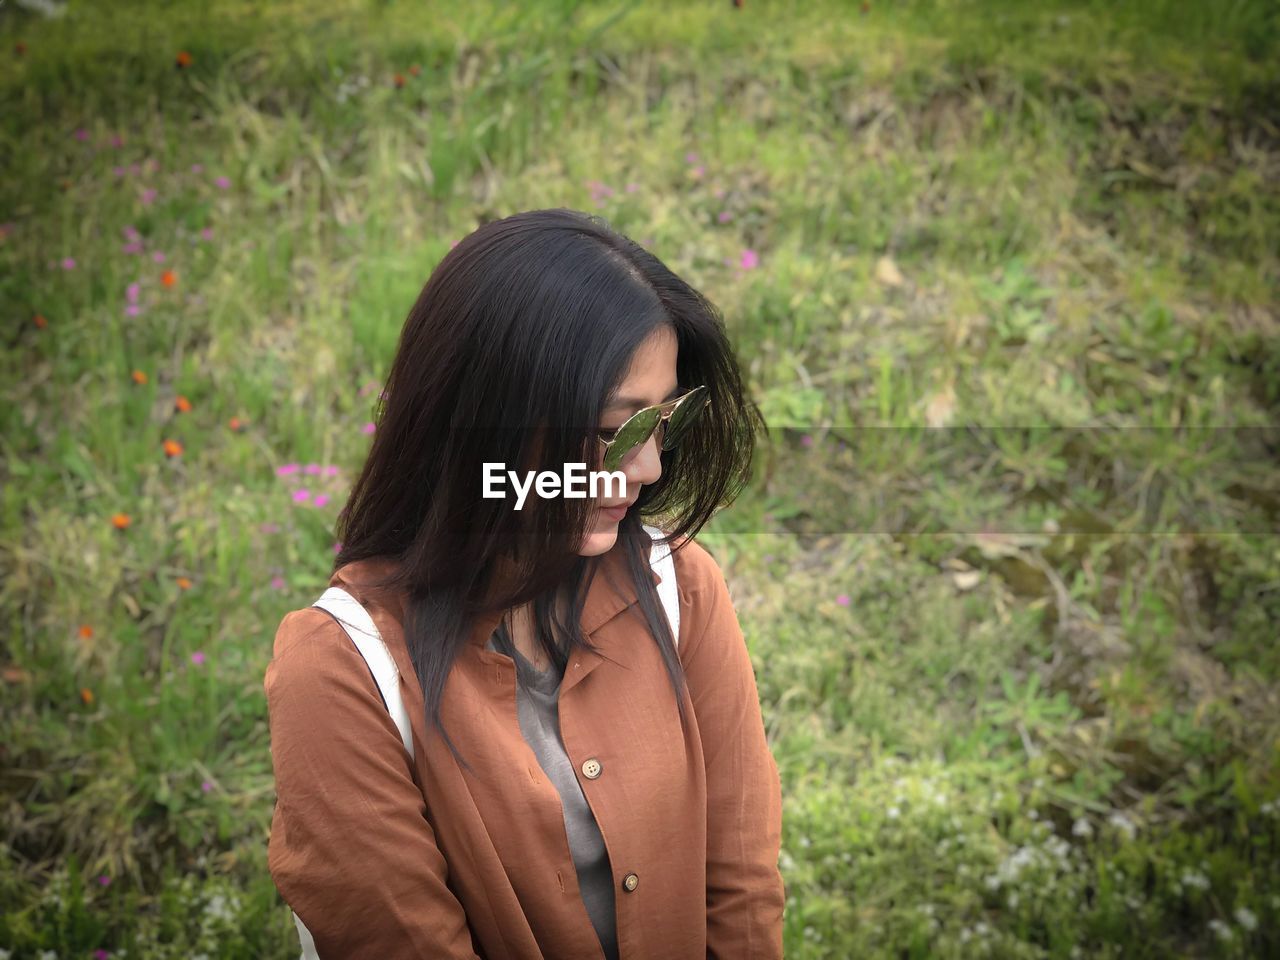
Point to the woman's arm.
(350, 850)
(745, 891)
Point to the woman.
(590, 786)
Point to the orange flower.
(399, 80)
(183, 60)
(236, 424)
(139, 377)
(415, 70)
(168, 278)
(184, 583)
(19, 48)
(86, 696)
(86, 631)
(40, 321)
(120, 520)
(183, 404)
(172, 448)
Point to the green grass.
(1008, 569)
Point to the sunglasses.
(671, 420)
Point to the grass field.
(1004, 277)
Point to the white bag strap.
(360, 628)
(660, 559)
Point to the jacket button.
(591, 768)
(629, 882)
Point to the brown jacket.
(383, 860)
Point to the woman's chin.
(600, 540)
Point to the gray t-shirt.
(539, 713)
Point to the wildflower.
(132, 310)
(133, 246)
(117, 141)
(86, 696)
(182, 404)
(690, 157)
(1246, 918)
(182, 60)
(206, 786)
(197, 168)
(288, 468)
(168, 278)
(269, 527)
(117, 171)
(198, 658)
(158, 256)
(321, 500)
(86, 631)
(206, 233)
(277, 582)
(368, 428)
(301, 496)
(750, 259)
(68, 263)
(222, 183)
(1221, 930)
(337, 547)
(172, 448)
(1081, 828)
(184, 583)
(120, 520)
(82, 134)
(40, 321)
(131, 292)
(398, 80)
(724, 216)
(148, 196)
(331, 470)
(415, 70)
(311, 469)
(843, 599)
(235, 424)
(104, 880)
(806, 441)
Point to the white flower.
(1192, 878)
(1123, 824)
(1222, 930)
(892, 813)
(1245, 917)
(1081, 828)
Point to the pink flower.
(337, 547)
(690, 157)
(104, 880)
(117, 141)
(158, 256)
(698, 171)
(321, 499)
(131, 232)
(368, 428)
(332, 470)
(206, 786)
(750, 259)
(206, 233)
(82, 134)
(269, 527)
(277, 582)
(301, 496)
(133, 246)
(806, 441)
(287, 469)
(101, 954)
(311, 469)
(68, 263)
(198, 658)
(197, 168)
(843, 599)
(131, 292)
(118, 171)
(148, 197)
(223, 183)
(132, 310)
(725, 216)
(134, 168)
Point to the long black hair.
(509, 355)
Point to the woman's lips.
(615, 513)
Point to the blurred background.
(1003, 278)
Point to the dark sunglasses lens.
(630, 435)
(684, 416)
